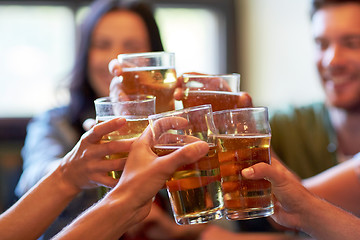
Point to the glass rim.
(263, 108)
(109, 100)
(142, 54)
(190, 75)
(215, 91)
(179, 111)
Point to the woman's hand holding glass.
(116, 89)
(84, 166)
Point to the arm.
(79, 169)
(130, 201)
(296, 207)
(338, 185)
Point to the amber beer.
(133, 128)
(195, 188)
(219, 100)
(159, 82)
(243, 198)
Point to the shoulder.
(300, 114)
(51, 123)
(52, 115)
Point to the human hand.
(115, 69)
(153, 173)
(85, 167)
(290, 196)
(215, 84)
(158, 225)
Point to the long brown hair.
(81, 93)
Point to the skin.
(82, 168)
(117, 32)
(298, 208)
(336, 31)
(127, 204)
(109, 219)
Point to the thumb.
(188, 154)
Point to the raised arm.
(81, 168)
(297, 207)
(130, 201)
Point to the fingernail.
(248, 172)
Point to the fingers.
(275, 174)
(99, 130)
(114, 67)
(111, 147)
(88, 124)
(109, 165)
(179, 94)
(186, 155)
(104, 180)
(245, 100)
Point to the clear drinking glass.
(150, 73)
(221, 91)
(134, 108)
(244, 140)
(194, 190)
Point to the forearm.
(108, 219)
(37, 209)
(323, 220)
(339, 185)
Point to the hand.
(85, 167)
(244, 100)
(115, 86)
(158, 225)
(291, 196)
(145, 173)
(116, 89)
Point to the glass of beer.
(134, 108)
(221, 91)
(150, 73)
(194, 190)
(244, 140)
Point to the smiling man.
(311, 139)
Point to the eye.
(352, 42)
(101, 44)
(321, 44)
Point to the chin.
(347, 105)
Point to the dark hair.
(318, 4)
(81, 93)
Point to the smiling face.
(116, 32)
(336, 30)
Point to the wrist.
(311, 214)
(64, 184)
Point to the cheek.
(99, 75)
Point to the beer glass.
(134, 108)
(244, 140)
(150, 73)
(194, 190)
(221, 91)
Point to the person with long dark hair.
(110, 27)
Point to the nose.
(333, 56)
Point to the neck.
(347, 127)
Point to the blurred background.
(267, 41)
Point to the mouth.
(340, 83)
